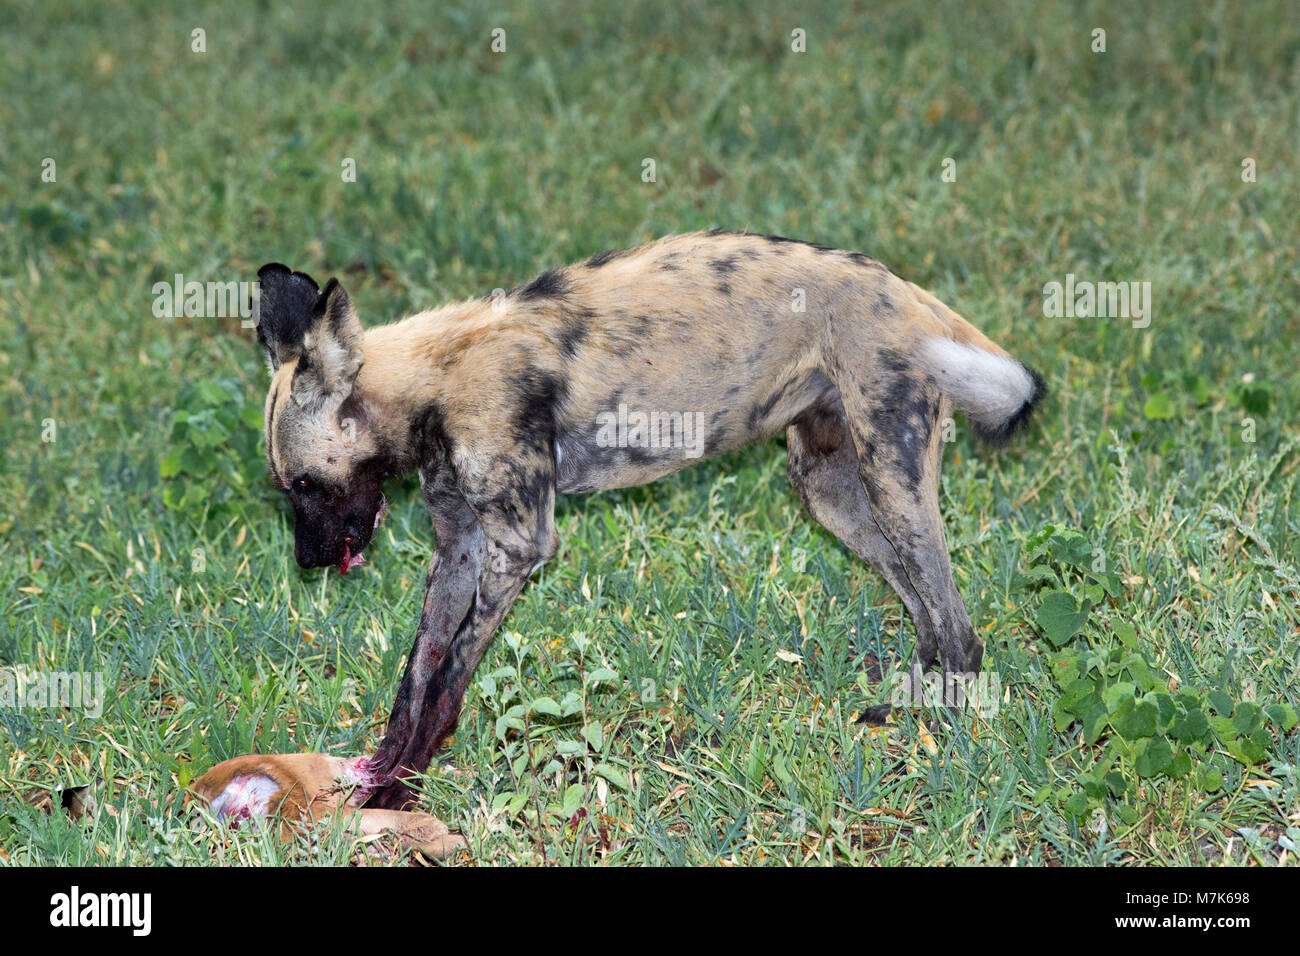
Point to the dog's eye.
(301, 484)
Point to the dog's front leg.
(519, 536)
(449, 592)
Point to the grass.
(703, 675)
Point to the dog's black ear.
(329, 355)
(283, 311)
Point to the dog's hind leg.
(894, 412)
(824, 470)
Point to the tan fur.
(501, 403)
(958, 328)
(663, 300)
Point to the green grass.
(476, 171)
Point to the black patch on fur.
(777, 241)
(724, 290)
(324, 513)
(629, 334)
(537, 392)
(758, 413)
(724, 266)
(642, 454)
(378, 468)
(785, 240)
(866, 261)
(907, 408)
(429, 437)
(893, 361)
(519, 499)
(574, 327)
(551, 284)
(717, 435)
(1003, 433)
(465, 621)
(286, 307)
(602, 258)
(622, 346)
(780, 243)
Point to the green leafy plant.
(1063, 563)
(1253, 397)
(540, 737)
(213, 461)
(1174, 394)
(1137, 728)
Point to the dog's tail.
(996, 392)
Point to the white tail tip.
(995, 391)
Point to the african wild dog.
(496, 404)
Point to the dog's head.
(322, 445)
